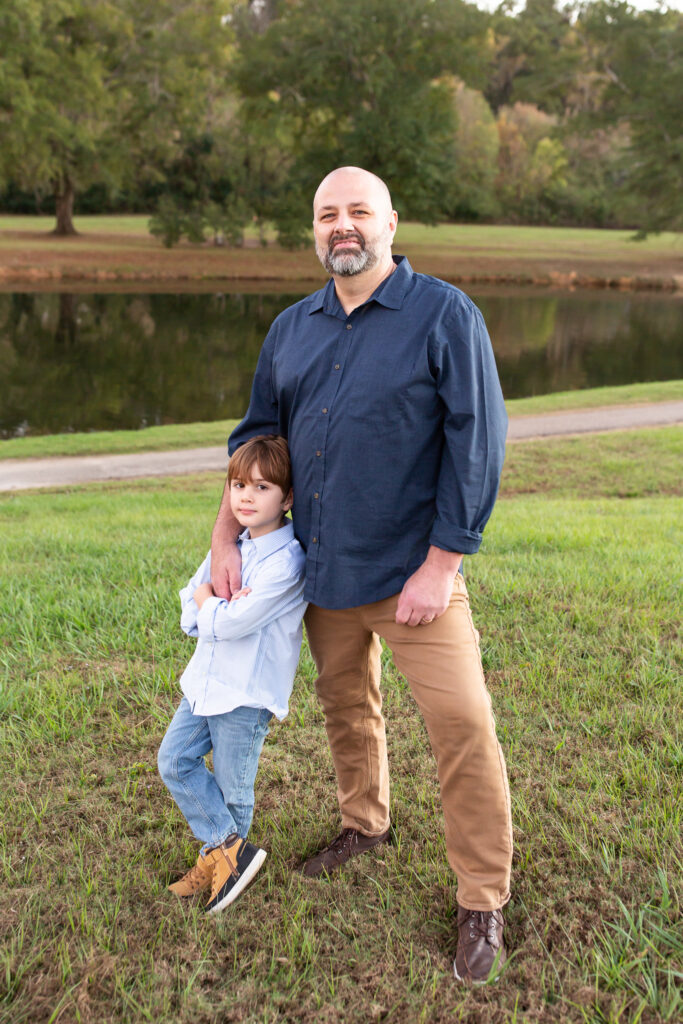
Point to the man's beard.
(348, 264)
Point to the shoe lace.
(196, 877)
(482, 924)
(346, 838)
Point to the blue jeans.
(219, 803)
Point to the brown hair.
(272, 455)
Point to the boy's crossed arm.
(205, 590)
(270, 595)
(199, 588)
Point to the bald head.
(367, 184)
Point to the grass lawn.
(575, 594)
(110, 248)
(197, 435)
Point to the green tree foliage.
(225, 112)
(640, 59)
(94, 90)
(476, 157)
(531, 164)
(358, 82)
(595, 173)
(55, 105)
(536, 58)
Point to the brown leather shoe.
(349, 843)
(480, 941)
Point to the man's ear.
(289, 501)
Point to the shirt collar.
(389, 293)
(271, 542)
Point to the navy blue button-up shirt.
(396, 427)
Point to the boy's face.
(258, 503)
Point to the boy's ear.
(289, 501)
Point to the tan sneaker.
(197, 879)
(234, 864)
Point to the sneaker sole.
(242, 882)
(473, 981)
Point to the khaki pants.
(442, 664)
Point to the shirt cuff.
(448, 538)
(188, 618)
(206, 617)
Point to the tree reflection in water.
(76, 362)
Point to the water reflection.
(110, 361)
(85, 362)
(565, 341)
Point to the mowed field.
(577, 596)
(120, 248)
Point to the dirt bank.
(31, 258)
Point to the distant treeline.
(216, 114)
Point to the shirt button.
(336, 366)
(324, 410)
(316, 495)
(315, 540)
(349, 326)
(318, 454)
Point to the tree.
(476, 153)
(537, 57)
(531, 164)
(98, 90)
(639, 56)
(360, 82)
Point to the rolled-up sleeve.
(475, 426)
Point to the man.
(385, 385)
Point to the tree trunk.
(64, 199)
(65, 333)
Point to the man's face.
(353, 223)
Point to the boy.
(239, 676)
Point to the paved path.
(21, 474)
(595, 421)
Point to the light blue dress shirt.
(248, 649)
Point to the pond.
(94, 361)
